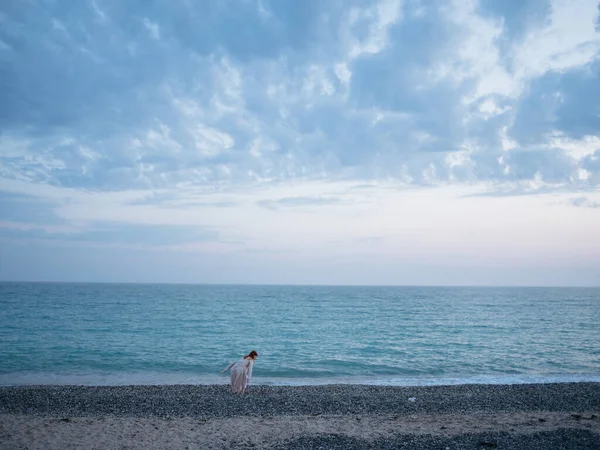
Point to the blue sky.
(326, 142)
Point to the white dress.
(241, 372)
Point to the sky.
(399, 142)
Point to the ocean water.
(115, 334)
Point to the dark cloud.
(395, 80)
(565, 102)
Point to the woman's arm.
(228, 367)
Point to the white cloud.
(22, 158)
(188, 108)
(57, 25)
(160, 139)
(229, 83)
(475, 55)
(488, 108)
(583, 174)
(210, 141)
(506, 142)
(459, 158)
(317, 82)
(263, 11)
(100, 14)
(261, 145)
(343, 73)
(570, 38)
(153, 28)
(377, 19)
(576, 148)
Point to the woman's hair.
(252, 354)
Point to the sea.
(153, 334)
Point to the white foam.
(155, 378)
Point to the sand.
(544, 416)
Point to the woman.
(241, 372)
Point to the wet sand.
(544, 416)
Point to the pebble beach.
(522, 416)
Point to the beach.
(521, 416)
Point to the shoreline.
(112, 379)
(554, 415)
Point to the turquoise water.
(104, 334)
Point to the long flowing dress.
(241, 372)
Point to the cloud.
(119, 234)
(103, 97)
(299, 202)
(583, 202)
(205, 116)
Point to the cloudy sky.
(328, 142)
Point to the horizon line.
(300, 284)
